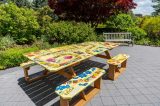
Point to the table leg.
(71, 70)
(26, 74)
(45, 72)
(106, 56)
(65, 74)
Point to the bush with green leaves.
(152, 26)
(14, 56)
(69, 32)
(19, 23)
(127, 23)
(137, 33)
(6, 42)
(120, 21)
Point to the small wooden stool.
(114, 69)
(78, 84)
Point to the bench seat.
(118, 59)
(114, 69)
(78, 84)
(119, 40)
(27, 64)
(124, 37)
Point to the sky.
(143, 7)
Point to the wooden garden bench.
(26, 66)
(125, 37)
(114, 69)
(78, 84)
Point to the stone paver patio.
(139, 85)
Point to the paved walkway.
(138, 86)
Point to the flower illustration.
(88, 72)
(50, 60)
(62, 87)
(82, 75)
(67, 57)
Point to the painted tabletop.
(58, 58)
(77, 84)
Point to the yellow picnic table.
(60, 58)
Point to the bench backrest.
(125, 35)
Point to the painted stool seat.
(117, 60)
(117, 65)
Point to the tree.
(21, 3)
(120, 21)
(39, 3)
(90, 11)
(156, 6)
(29, 3)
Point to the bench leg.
(82, 94)
(97, 83)
(64, 102)
(124, 64)
(112, 71)
(132, 43)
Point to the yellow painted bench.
(78, 84)
(117, 65)
(26, 66)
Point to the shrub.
(6, 42)
(127, 23)
(14, 56)
(69, 32)
(137, 33)
(19, 23)
(152, 26)
(120, 21)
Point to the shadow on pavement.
(42, 91)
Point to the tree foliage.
(70, 32)
(152, 26)
(22, 3)
(120, 21)
(19, 23)
(126, 23)
(156, 6)
(39, 3)
(29, 3)
(90, 11)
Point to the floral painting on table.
(57, 58)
